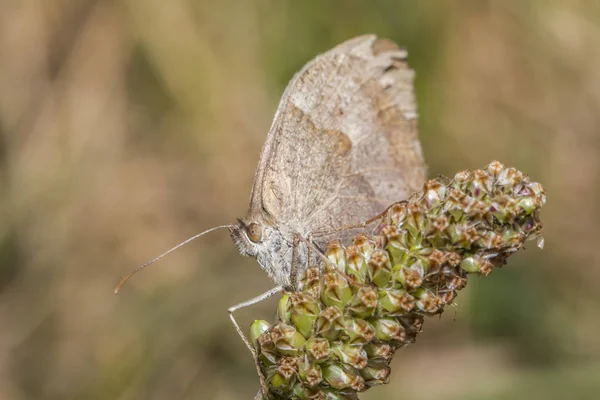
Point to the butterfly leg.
(363, 225)
(294, 268)
(310, 247)
(245, 304)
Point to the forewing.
(343, 144)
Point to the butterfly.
(343, 146)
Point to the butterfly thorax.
(273, 248)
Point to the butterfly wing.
(343, 144)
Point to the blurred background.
(128, 126)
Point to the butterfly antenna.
(141, 267)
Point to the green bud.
(341, 377)
(495, 168)
(317, 349)
(382, 352)
(310, 282)
(397, 213)
(330, 323)
(288, 341)
(336, 290)
(278, 382)
(389, 232)
(358, 330)
(353, 355)
(375, 375)
(266, 346)
(504, 208)
(335, 254)
(490, 240)
(283, 308)
(507, 179)
(380, 268)
(257, 328)
(433, 259)
(304, 314)
(453, 205)
(436, 227)
(462, 236)
(282, 378)
(410, 277)
(528, 205)
(446, 297)
(433, 193)
(389, 329)
(437, 239)
(395, 301)
(356, 264)
(397, 245)
(413, 323)
(415, 220)
(462, 179)
(427, 301)
(363, 303)
(481, 184)
(299, 391)
(539, 193)
(288, 367)
(310, 373)
(512, 237)
(454, 281)
(364, 245)
(476, 263)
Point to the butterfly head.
(248, 237)
(267, 244)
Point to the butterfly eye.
(254, 232)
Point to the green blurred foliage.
(126, 127)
